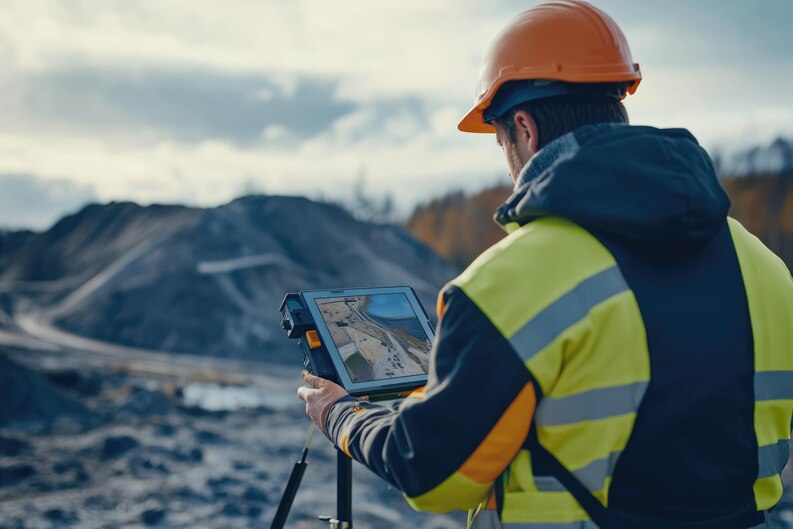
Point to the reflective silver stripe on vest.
(486, 520)
(773, 385)
(548, 484)
(569, 309)
(771, 459)
(591, 405)
(594, 475)
(584, 524)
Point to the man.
(624, 357)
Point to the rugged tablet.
(371, 341)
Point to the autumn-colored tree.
(459, 227)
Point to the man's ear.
(525, 125)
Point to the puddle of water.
(216, 397)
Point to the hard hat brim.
(473, 121)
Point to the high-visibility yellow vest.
(579, 330)
(769, 292)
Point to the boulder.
(117, 445)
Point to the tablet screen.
(379, 336)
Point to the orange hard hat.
(565, 41)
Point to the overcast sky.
(191, 101)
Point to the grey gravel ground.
(186, 450)
(146, 456)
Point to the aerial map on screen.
(379, 336)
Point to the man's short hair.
(556, 116)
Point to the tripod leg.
(289, 495)
(291, 486)
(343, 490)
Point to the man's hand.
(319, 397)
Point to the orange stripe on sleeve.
(501, 444)
(345, 440)
(440, 305)
(417, 393)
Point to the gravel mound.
(28, 397)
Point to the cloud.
(385, 120)
(706, 34)
(377, 49)
(149, 105)
(213, 171)
(195, 101)
(185, 105)
(29, 202)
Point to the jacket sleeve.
(444, 447)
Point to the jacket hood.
(653, 187)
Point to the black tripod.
(343, 519)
